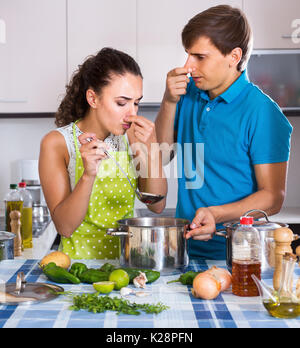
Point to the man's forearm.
(270, 202)
(164, 123)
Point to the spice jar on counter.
(246, 258)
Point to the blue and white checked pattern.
(227, 311)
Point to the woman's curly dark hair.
(94, 73)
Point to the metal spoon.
(146, 198)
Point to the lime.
(120, 278)
(104, 287)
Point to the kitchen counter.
(227, 311)
(44, 234)
(288, 215)
(41, 244)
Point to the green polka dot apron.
(112, 199)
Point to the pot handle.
(221, 233)
(118, 232)
(259, 211)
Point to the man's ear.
(91, 98)
(235, 57)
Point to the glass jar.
(246, 258)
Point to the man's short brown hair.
(226, 27)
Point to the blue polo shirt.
(220, 141)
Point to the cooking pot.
(265, 228)
(6, 245)
(154, 243)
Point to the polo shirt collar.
(236, 88)
(233, 91)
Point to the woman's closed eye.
(124, 104)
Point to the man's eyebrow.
(196, 54)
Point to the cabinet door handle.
(290, 36)
(2, 31)
(13, 101)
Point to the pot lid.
(259, 225)
(152, 222)
(6, 235)
(22, 292)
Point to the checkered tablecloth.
(227, 311)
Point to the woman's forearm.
(69, 214)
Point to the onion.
(222, 275)
(206, 286)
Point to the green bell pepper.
(93, 276)
(59, 275)
(78, 268)
(186, 278)
(107, 267)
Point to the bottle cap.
(13, 186)
(246, 220)
(22, 184)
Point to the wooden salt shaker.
(15, 217)
(298, 282)
(283, 238)
(298, 252)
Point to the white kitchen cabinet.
(274, 23)
(159, 48)
(32, 55)
(94, 24)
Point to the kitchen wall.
(20, 139)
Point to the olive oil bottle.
(26, 219)
(13, 201)
(286, 310)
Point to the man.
(245, 136)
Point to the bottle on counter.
(12, 201)
(26, 219)
(246, 258)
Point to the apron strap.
(78, 155)
(75, 139)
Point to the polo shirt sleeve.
(269, 135)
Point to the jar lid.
(247, 220)
(13, 186)
(22, 184)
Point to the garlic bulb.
(140, 281)
(126, 291)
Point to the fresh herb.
(99, 304)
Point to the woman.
(84, 190)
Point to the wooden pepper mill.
(15, 224)
(283, 238)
